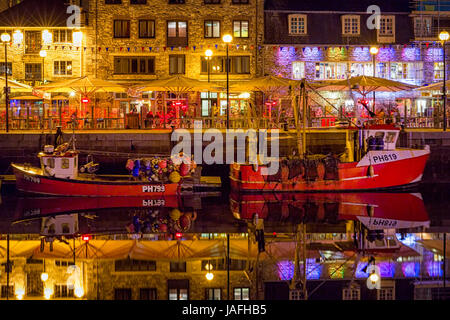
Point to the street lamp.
(373, 52)
(444, 36)
(43, 54)
(208, 55)
(5, 37)
(227, 39)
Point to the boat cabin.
(59, 164)
(381, 137)
(63, 225)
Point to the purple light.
(387, 269)
(433, 55)
(386, 54)
(359, 273)
(312, 54)
(410, 54)
(361, 54)
(313, 269)
(411, 269)
(285, 270)
(434, 268)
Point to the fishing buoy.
(174, 177)
(175, 214)
(184, 169)
(162, 164)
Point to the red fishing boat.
(371, 162)
(375, 211)
(59, 175)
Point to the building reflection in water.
(177, 248)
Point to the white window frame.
(382, 36)
(384, 290)
(298, 17)
(295, 295)
(351, 293)
(298, 70)
(349, 17)
(337, 70)
(67, 72)
(438, 71)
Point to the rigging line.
(326, 100)
(323, 282)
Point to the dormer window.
(297, 24)
(386, 33)
(350, 25)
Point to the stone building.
(319, 40)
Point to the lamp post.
(5, 37)
(227, 39)
(444, 36)
(208, 55)
(373, 52)
(43, 54)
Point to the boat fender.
(370, 172)
(50, 171)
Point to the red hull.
(30, 181)
(405, 167)
(375, 210)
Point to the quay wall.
(23, 147)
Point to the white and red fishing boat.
(379, 165)
(59, 175)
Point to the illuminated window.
(62, 36)
(177, 33)
(297, 24)
(406, 71)
(212, 29)
(438, 71)
(65, 163)
(178, 289)
(351, 294)
(331, 71)
(298, 70)
(238, 65)
(121, 28)
(362, 69)
(241, 293)
(213, 293)
(240, 29)
(350, 25)
(62, 68)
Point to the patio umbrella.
(365, 85)
(177, 84)
(85, 86)
(16, 86)
(438, 86)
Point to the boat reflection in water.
(376, 217)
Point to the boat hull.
(30, 181)
(378, 170)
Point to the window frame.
(384, 291)
(129, 63)
(176, 2)
(138, 2)
(208, 295)
(129, 28)
(347, 293)
(211, 1)
(152, 291)
(33, 71)
(172, 56)
(303, 71)
(420, 30)
(113, 1)
(67, 63)
(240, 293)
(6, 68)
(56, 39)
(147, 22)
(240, 29)
(178, 266)
(350, 17)
(240, 2)
(305, 24)
(205, 28)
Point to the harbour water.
(163, 247)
